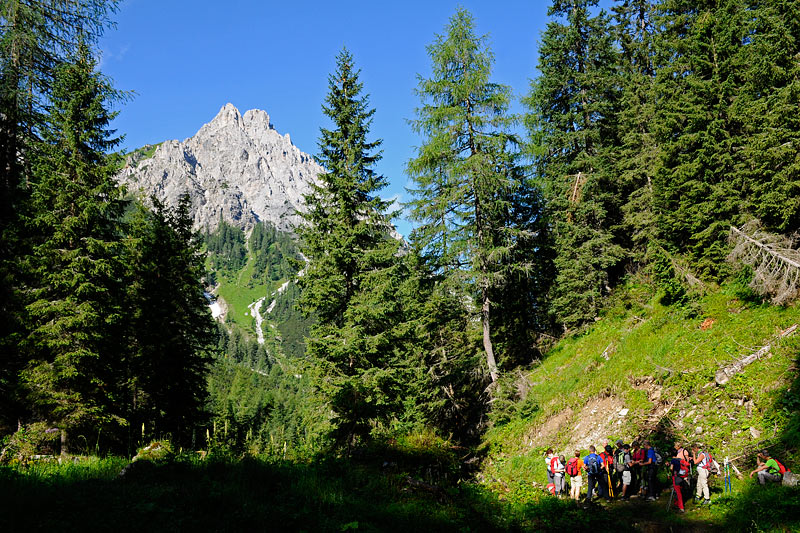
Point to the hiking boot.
(681, 511)
(650, 499)
(706, 502)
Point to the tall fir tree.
(350, 281)
(34, 38)
(697, 189)
(75, 309)
(170, 328)
(768, 159)
(572, 112)
(466, 176)
(633, 160)
(447, 384)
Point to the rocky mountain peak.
(236, 167)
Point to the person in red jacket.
(606, 489)
(680, 476)
(638, 457)
(574, 469)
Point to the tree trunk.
(63, 442)
(487, 339)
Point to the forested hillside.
(592, 269)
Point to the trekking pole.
(728, 487)
(610, 488)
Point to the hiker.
(593, 464)
(649, 471)
(547, 460)
(616, 472)
(623, 463)
(574, 468)
(558, 468)
(682, 452)
(768, 469)
(703, 461)
(680, 475)
(638, 457)
(606, 487)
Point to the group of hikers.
(631, 470)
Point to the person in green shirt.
(767, 470)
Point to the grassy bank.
(644, 370)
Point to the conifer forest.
(620, 261)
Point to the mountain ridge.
(236, 168)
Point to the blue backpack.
(593, 465)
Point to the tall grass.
(238, 495)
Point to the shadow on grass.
(220, 495)
(773, 507)
(265, 495)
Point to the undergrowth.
(393, 487)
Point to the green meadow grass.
(646, 340)
(260, 494)
(328, 494)
(665, 348)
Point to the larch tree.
(352, 275)
(466, 174)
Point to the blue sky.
(184, 60)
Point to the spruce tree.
(351, 278)
(697, 191)
(170, 328)
(572, 112)
(34, 38)
(633, 160)
(766, 106)
(75, 308)
(445, 387)
(466, 175)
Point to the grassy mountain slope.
(645, 370)
(262, 264)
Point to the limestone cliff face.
(237, 167)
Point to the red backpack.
(709, 461)
(684, 469)
(608, 459)
(572, 467)
(781, 469)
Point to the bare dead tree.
(775, 263)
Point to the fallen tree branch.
(724, 375)
(736, 470)
(775, 263)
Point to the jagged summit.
(237, 168)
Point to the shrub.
(29, 441)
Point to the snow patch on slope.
(255, 311)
